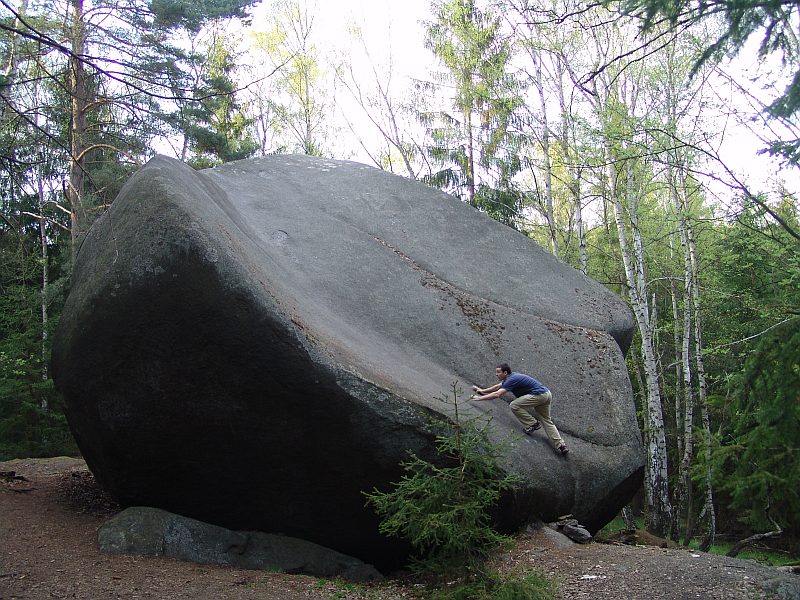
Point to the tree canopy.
(776, 23)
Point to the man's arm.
(488, 390)
(496, 392)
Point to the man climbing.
(530, 394)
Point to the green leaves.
(443, 509)
(27, 429)
(470, 144)
(31, 421)
(211, 118)
(759, 457)
(193, 14)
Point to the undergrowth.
(511, 586)
(763, 555)
(443, 510)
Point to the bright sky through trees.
(393, 33)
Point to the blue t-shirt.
(520, 384)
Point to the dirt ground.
(50, 510)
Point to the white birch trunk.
(676, 339)
(702, 385)
(684, 491)
(583, 257)
(470, 159)
(45, 268)
(547, 164)
(571, 168)
(657, 483)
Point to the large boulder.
(257, 344)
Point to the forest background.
(606, 132)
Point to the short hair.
(504, 367)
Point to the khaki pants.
(521, 407)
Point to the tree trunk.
(702, 384)
(583, 257)
(79, 98)
(470, 159)
(45, 285)
(684, 490)
(657, 481)
(628, 518)
(741, 545)
(572, 169)
(10, 69)
(548, 167)
(676, 340)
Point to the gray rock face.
(154, 532)
(256, 344)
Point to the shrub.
(443, 509)
(532, 586)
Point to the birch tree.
(548, 60)
(401, 150)
(681, 116)
(614, 96)
(299, 104)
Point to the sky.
(395, 28)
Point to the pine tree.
(212, 122)
(473, 146)
(759, 457)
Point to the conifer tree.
(473, 144)
(212, 122)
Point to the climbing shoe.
(532, 428)
(563, 450)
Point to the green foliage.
(300, 97)
(776, 22)
(754, 270)
(473, 147)
(31, 420)
(760, 258)
(443, 509)
(345, 589)
(193, 14)
(761, 555)
(752, 296)
(212, 121)
(618, 524)
(758, 462)
(27, 429)
(530, 586)
(742, 19)
(502, 203)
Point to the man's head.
(502, 371)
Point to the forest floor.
(50, 510)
